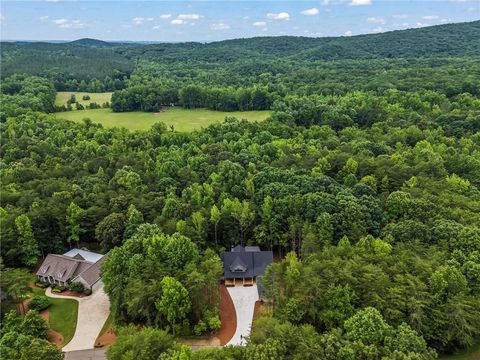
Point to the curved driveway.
(244, 298)
(93, 311)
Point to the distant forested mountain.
(68, 64)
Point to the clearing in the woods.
(181, 119)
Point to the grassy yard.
(99, 98)
(181, 119)
(63, 317)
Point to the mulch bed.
(227, 316)
(108, 338)
(71, 293)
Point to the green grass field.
(181, 119)
(63, 317)
(99, 98)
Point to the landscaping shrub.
(42, 284)
(39, 302)
(76, 286)
(87, 292)
(58, 288)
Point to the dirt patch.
(227, 316)
(108, 338)
(53, 336)
(71, 293)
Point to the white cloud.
(310, 12)
(430, 17)
(2, 18)
(419, 24)
(138, 20)
(360, 2)
(165, 16)
(400, 16)
(60, 21)
(220, 26)
(259, 23)
(177, 22)
(188, 17)
(69, 24)
(44, 18)
(150, 19)
(246, 17)
(376, 20)
(348, 33)
(325, 2)
(156, 27)
(378, 29)
(279, 16)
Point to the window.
(44, 268)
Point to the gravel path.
(93, 311)
(244, 298)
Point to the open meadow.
(181, 119)
(99, 98)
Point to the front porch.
(246, 281)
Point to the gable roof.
(240, 263)
(91, 274)
(85, 254)
(71, 265)
(59, 267)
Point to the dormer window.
(61, 273)
(44, 268)
(238, 266)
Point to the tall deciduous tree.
(174, 303)
(27, 245)
(75, 215)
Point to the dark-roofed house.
(75, 265)
(245, 264)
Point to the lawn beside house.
(63, 317)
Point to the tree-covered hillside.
(255, 61)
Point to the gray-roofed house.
(246, 264)
(75, 265)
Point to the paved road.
(93, 311)
(244, 298)
(92, 354)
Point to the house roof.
(240, 263)
(75, 264)
(59, 267)
(92, 274)
(85, 254)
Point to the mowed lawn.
(63, 317)
(99, 98)
(181, 119)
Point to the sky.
(205, 21)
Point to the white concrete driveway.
(93, 311)
(244, 298)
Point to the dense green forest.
(365, 181)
